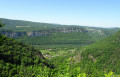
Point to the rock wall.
(42, 32)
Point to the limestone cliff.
(42, 32)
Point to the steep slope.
(15, 56)
(102, 56)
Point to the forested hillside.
(102, 57)
(16, 56)
(35, 33)
(20, 25)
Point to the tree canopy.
(1, 25)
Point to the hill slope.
(15, 56)
(102, 56)
(20, 25)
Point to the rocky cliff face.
(42, 32)
(12, 34)
(100, 32)
(19, 34)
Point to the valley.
(32, 49)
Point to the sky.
(96, 13)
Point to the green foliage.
(109, 74)
(102, 56)
(1, 25)
(18, 25)
(14, 54)
(59, 38)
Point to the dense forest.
(16, 56)
(61, 58)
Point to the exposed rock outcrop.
(42, 32)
